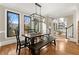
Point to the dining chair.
(20, 44)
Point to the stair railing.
(71, 31)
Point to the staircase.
(69, 32)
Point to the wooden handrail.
(69, 26)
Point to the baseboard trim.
(7, 42)
(71, 39)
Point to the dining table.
(33, 36)
(35, 46)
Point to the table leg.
(35, 52)
(26, 40)
(54, 42)
(32, 40)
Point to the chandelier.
(36, 19)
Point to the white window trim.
(6, 22)
(25, 15)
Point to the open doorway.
(60, 25)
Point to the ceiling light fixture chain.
(38, 5)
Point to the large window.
(43, 26)
(12, 23)
(26, 24)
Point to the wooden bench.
(35, 48)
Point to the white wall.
(75, 23)
(3, 38)
(69, 20)
(76, 19)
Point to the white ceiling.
(50, 9)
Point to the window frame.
(24, 22)
(14, 12)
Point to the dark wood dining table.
(33, 36)
(38, 45)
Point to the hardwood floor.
(63, 47)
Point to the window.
(26, 24)
(12, 23)
(44, 28)
(61, 20)
(62, 24)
